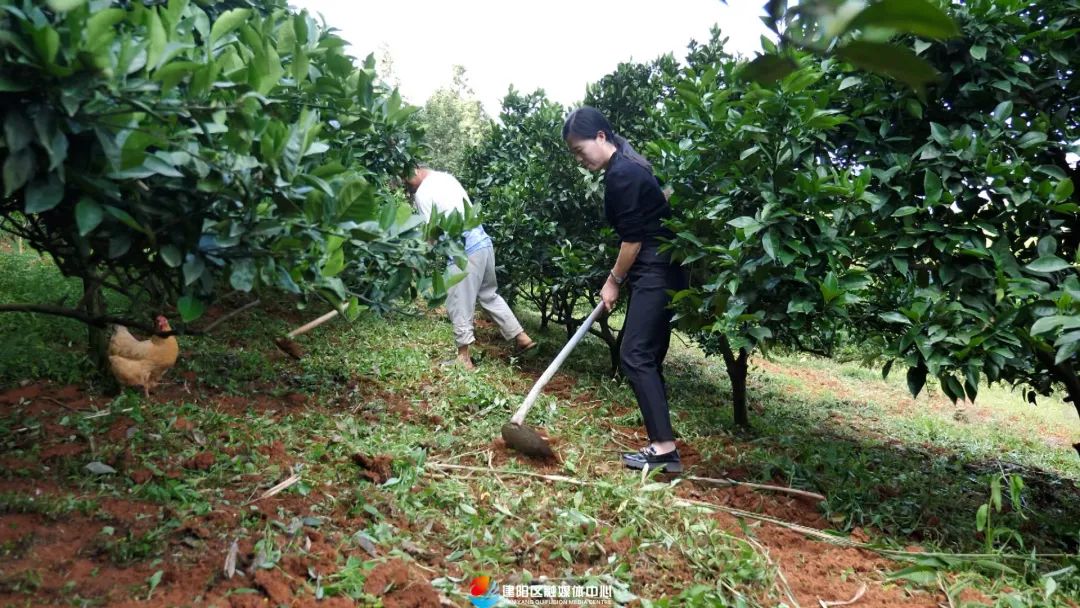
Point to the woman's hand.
(609, 294)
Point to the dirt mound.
(399, 587)
(275, 586)
(200, 462)
(45, 398)
(501, 454)
(376, 469)
(819, 571)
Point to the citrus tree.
(766, 221)
(973, 239)
(169, 151)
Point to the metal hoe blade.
(524, 439)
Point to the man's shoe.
(647, 456)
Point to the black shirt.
(633, 202)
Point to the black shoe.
(669, 462)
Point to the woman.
(636, 207)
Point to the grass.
(896, 471)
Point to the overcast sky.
(557, 45)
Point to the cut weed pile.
(369, 474)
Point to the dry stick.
(281, 487)
(948, 596)
(232, 314)
(106, 412)
(230, 560)
(779, 573)
(467, 454)
(858, 596)
(757, 486)
(440, 465)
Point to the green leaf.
(63, 6)
(243, 275)
(18, 169)
(768, 242)
(747, 224)
(52, 139)
(830, 288)
(227, 22)
(893, 61)
(920, 575)
(119, 245)
(88, 215)
(157, 37)
(932, 187)
(895, 317)
(1003, 110)
(124, 218)
(335, 264)
(1066, 352)
(18, 132)
(1050, 586)
(1048, 263)
(99, 27)
(767, 69)
(1051, 170)
(748, 152)
(47, 44)
(1031, 138)
(916, 379)
(905, 211)
(978, 52)
(952, 387)
(914, 107)
(980, 517)
(888, 368)
(850, 81)
(193, 269)
(1063, 190)
(917, 17)
(1047, 324)
(190, 308)
(156, 165)
(1047, 246)
(172, 256)
(43, 195)
(940, 134)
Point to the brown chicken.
(142, 362)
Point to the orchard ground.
(399, 492)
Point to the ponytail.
(585, 122)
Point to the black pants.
(646, 336)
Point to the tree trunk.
(97, 338)
(736, 369)
(545, 316)
(613, 342)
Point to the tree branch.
(102, 321)
(232, 314)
